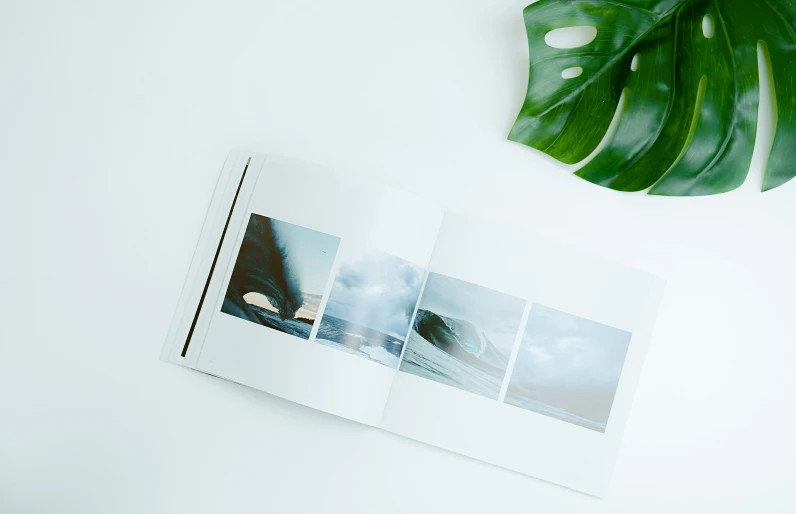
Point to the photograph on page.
(370, 305)
(280, 275)
(462, 335)
(568, 367)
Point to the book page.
(524, 354)
(313, 288)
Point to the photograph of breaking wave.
(568, 368)
(371, 305)
(280, 275)
(463, 335)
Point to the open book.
(371, 304)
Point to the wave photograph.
(462, 335)
(280, 275)
(568, 368)
(371, 305)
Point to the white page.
(339, 234)
(567, 334)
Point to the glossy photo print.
(370, 306)
(280, 275)
(462, 335)
(568, 368)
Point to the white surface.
(115, 120)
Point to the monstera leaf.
(690, 72)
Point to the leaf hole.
(571, 73)
(570, 37)
(695, 115)
(708, 26)
(767, 118)
(612, 128)
(636, 62)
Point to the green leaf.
(689, 124)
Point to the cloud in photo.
(376, 290)
(570, 362)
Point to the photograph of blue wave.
(280, 275)
(371, 305)
(568, 367)
(462, 335)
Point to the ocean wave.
(263, 266)
(359, 340)
(460, 339)
(426, 360)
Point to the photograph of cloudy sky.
(370, 305)
(568, 367)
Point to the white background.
(115, 119)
